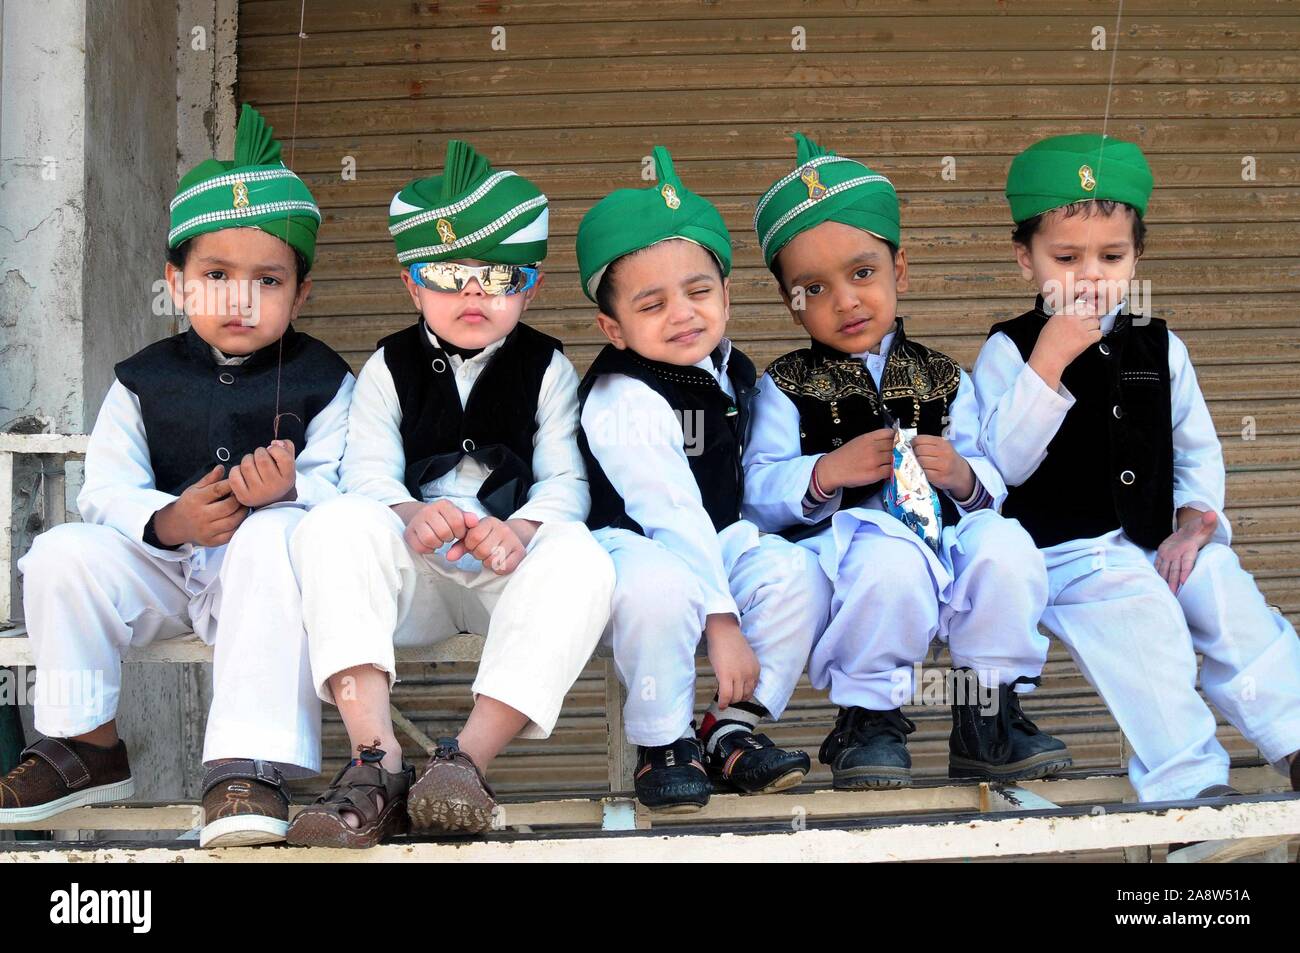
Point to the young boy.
(191, 492)
(818, 467)
(665, 410)
(1094, 417)
(465, 495)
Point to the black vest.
(497, 424)
(837, 400)
(198, 413)
(1111, 463)
(715, 427)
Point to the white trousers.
(1135, 641)
(365, 591)
(90, 592)
(659, 615)
(983, 593)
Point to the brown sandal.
(452, 796)
(357, 788)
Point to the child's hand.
(433, 525)
(205, 514)
(733, 661)
(266, 475)
(944, 467)
(864, 460)
(492, 542)
(1063, 338)
(1176, 556)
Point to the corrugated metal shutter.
(583, 90)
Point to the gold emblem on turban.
(1087, 180)
(670, 196)
(241, 194)
(815, 188)
(445, 231)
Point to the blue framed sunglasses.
(493, 279)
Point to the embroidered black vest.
(198, 413)
(1111, 463)
(837, 400)
(714, 430)
(497, 424)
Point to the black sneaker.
(868, 749)
(671, 779)
(752, 764)
(1003, 746)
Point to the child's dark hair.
(605, 288)
(177, 257)
(780, 278)
(1023, 233)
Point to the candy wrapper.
(908, 494)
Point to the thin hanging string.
(1105, 119)
(293, 141)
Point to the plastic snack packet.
(908, 494)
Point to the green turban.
(1061, 170)
(628, 220)
(470, 211)
(824, 187)
(254, 190)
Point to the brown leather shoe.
(451, 797)
(358, 789)
(57, 774)
(244, 803)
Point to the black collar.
(445, 351)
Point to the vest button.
(227, 378)
(467, 445)
(1104, 348)
(223, 454)
(1127, 477)
(1118, 411)
(439, 365)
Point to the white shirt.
(777, 472)
(640, 444)
(1020, 414)
(119, 488)
(375, 461)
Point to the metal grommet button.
(1118, 411)
(1127, 477)
(467, 445)
(439, 365)
(1104, 348)
(226, 378)
(223, 454)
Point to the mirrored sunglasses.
(493, 279)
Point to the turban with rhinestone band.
(255, 190)
(628, 220)
(470, 211)
(1061, 170)
(824, 187)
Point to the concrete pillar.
(102, 104)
